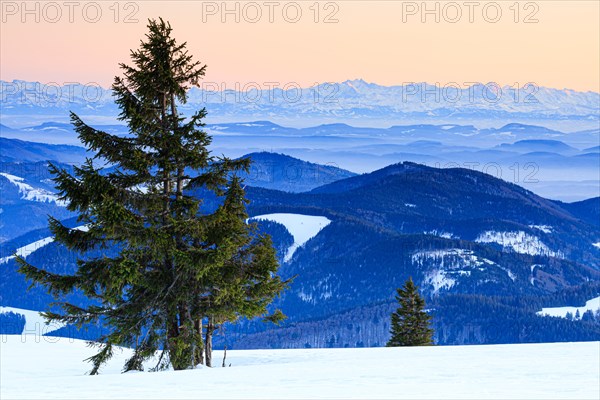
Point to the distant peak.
(335, 125)
(359, 83)
(353, 81)
(515, 125)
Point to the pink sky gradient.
(369, 41)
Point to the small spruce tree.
(410, 323)
(569, 316)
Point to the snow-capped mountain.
(351, 100)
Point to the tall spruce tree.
(410, 323)
(179, 269)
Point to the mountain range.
(549, 162)
(512, 136)
(348, 101)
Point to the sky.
(550, 43)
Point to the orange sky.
(370, 40)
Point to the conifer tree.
(410, 323)
(178, 267)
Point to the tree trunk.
(180, 169)
(172, 339)
(210, 328)
(199, 351)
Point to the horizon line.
(308, 127)
(464, 85)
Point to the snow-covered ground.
(519, 242)
(443, 234)
(26, 250)
(28, 192)
(34, 322)
(543, 228)
(53, 368)
(592, 305)
(451, 264)
(301, 227)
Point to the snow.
(519, 242)
(323, 290)
(350, 101)
(453, 258)
(301, 227)
(28, 249)
(442, 234)
(593, 305)
(448, 263)
(52, 368)
(306, 297)
(510, 274)
(543, 228)
(25, 251)
(439, 280)
(35, 324)
(533, 267)
(30, 193)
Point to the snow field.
(34, 322)
(53, 368)
(592, 305)
(301, 227)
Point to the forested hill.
(457, 232)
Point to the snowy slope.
(519, 242)
(450, 265)
(301, 227)
(593, 305)
(34, 322)
(26, 250)
(53, 368)
(30, 193)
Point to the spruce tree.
(177, 267)
(410, 323)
